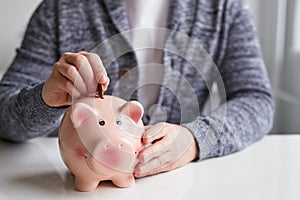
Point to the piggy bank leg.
(123, 180)
(84, 185)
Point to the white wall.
(14, 15)
(274, 19)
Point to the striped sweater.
(221, 29)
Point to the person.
(55, 64)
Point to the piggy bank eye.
(119, 122)
(101, 122)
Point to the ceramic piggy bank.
(99, 140)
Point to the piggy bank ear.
(133, 109)
(80, 112)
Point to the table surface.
(268, 169)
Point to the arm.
(249, 107)
(23, 113)
(41, 82)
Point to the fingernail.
(143, 158)
(102, 77)
(137, 175)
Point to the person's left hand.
(172, 146)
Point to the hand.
(73, 76)
(172, 146)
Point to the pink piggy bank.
(99, 140)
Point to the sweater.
(207, 41)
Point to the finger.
(105, 86)
(145, 170)
(71, 73)
(148, 127)
(156, 149)
(84, 68)
(97, 67)
(153, 132)
(154, 166)
(66, 85)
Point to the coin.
(100, 91)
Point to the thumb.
(153, 132)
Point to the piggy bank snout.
(119, 155)
(122, 145)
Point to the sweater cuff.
(42, 110)
(40, 115)
(204, 136)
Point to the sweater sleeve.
(247, 113)
(23, 113)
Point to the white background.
(14, 15)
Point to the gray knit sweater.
(225, 30)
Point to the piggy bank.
(99, 140)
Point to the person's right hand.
(74, 75)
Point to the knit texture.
(224, 28)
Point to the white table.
(269, 169)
